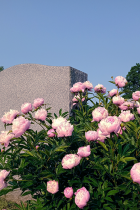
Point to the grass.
(8, 205)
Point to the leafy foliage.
(1, 68)
(105, 173)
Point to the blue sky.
(99, 37)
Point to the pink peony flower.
(20, 125)
(101, 137)
(68, 192)
(118, 100)
(64, 129)
(120, 131)
(77, 87)
(9, 116)
(51, 133)
(2, 150)
(57, 122)
(109, 125)
(71, 160)
(138, 110)
(120, 81)
(99, 113)
(41, 114)
(38, 102)
(88, 85)
(3, 184)
(3, 175)
(91, 135)
(136, 104)
(26, 107)
(126, 105)
(126, 116)
(136, 95)
(52, 187)
(84, 151)
(75, 99)
(113, 92)
(5, 138)
(100, 89)
(135, 173)
(82, 197)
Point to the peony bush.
(89, 160)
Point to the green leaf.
(102, 97)
(122, 159)
(104, 159)
(65, 114)
(92, 102)
(127, 177)
(86, 180)
(23, 164)
(103, 145)
(93, 181)
(125, 149)
(30, 115)
(59, 203)
(27, 152)
(48, 108)
(60, 112)
(26, 193)
(127, 192)
(110, 168)
(107, 208)
(112, 82)
(46, 152)
(55, 115)
(112, 192)
(27, 184)
(73, 207)
(129, 158)
(5, 191)
(90, 189)
(60, 170)
(109, 199)
(19, 207)
(110, 142)
(60, 149)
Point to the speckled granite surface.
(26, 82)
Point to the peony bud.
(68, 192)
(37, 146)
